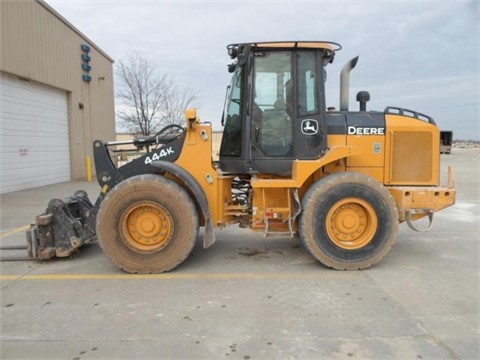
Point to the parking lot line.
(14, 231)
(185, 276)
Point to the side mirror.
(232, 67)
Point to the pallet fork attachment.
(65, 226)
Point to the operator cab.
(275, 110)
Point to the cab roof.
(329, 45)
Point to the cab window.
(307, 84)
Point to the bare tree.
(148, 100)
(176, 104)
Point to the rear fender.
(196, 189)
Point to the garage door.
(34, 142)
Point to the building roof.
(78, 32)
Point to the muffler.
(345, 83)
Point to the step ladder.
(270, 213)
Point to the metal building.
(56, 97)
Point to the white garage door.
(34, 142)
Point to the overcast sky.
(420, 55)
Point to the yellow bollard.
(89, 168)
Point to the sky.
(419, 55)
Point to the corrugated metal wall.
(37, 44)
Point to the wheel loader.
(341, 180)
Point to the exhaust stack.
(345, 83)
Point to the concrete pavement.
(250, 297)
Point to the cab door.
(271, 116)
(286, 113)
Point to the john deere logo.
(309, 127)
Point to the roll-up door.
(34, 136)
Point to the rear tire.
(349, 221)
(147, 224)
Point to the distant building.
(56, 97)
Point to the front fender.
(196, 189)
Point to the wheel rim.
(351, 223)
(147, 226)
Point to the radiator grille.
(412, 157)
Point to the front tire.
(349, 221)
(147, 224)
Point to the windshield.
(231, 140)
(233, 105)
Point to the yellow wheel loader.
(342, 180)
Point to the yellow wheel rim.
(147, 226)
(351, 223)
